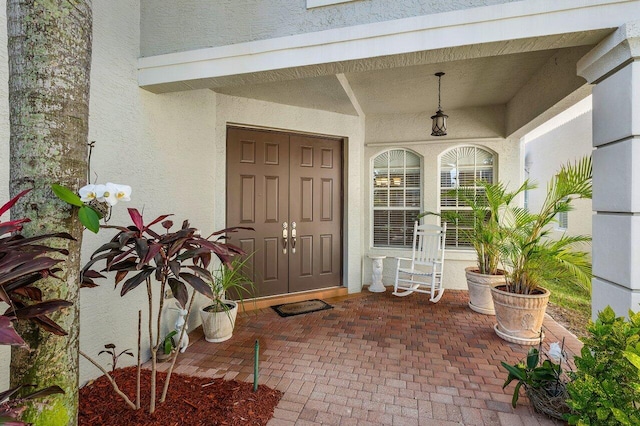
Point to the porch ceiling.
(407, 90)
(533, 86)
(467, 83)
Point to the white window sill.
(319, 3)
(450, 254)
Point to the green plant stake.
(255, 365)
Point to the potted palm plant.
(483, 231)
(219, 318)
(532, 259)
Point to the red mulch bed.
(222, 402)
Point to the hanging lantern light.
(439, 120)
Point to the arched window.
(396, 197)
(462, 167)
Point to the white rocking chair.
(423, 272)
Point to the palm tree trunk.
(49, 46)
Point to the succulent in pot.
(229, 280)
(531, 258)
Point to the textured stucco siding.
(545, 155)
(161, 145)
(168, 26)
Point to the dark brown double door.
(288, 188)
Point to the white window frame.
(373, 208)
(452, 229)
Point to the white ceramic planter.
(479, 285)
(218, 326)
(519, 316)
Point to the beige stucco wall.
(161, 145)
(169, 26)
(546, 153)
(413, 132)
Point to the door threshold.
(278, 299)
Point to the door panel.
(274, 178)
(257, 196)
(315, 173)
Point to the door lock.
(293, 237)
(285, 236)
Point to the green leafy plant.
(530, 257)
(168, 344)
(533, 374)
(110, 349)
(605, 388)
(544, 382)
(230, 279)
(88, 215)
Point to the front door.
(288, 188)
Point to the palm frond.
(529, 255)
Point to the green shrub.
(605, 389)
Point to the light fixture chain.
(439, 78)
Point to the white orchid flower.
(88, 193)
(123, 192)
(107, 194)
(555, 353)
(114, 193)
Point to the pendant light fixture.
(439, 125)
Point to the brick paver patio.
(378, 359)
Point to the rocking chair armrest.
(400, 259)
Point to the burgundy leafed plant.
(177, 260)
(23, 262)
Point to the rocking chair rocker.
(423, 272)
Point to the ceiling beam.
(350, 94)
(555, 87)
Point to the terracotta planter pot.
(519, 316)
(218, 326)
(479, 285)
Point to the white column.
(614, 67)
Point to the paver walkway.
(378, 359)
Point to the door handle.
(293, 237)
(284, 237)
